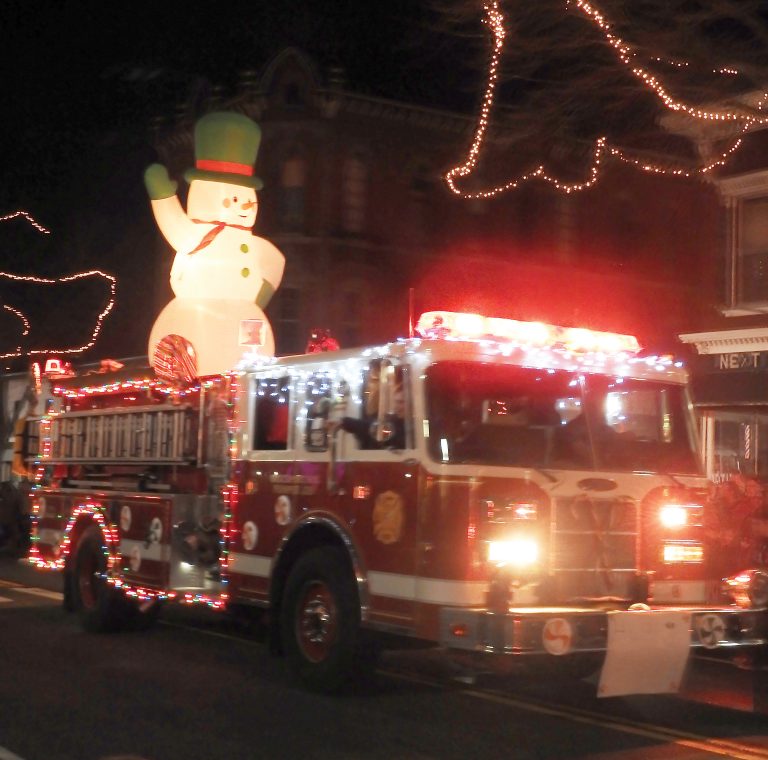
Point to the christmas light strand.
(685, 64)
(26, 215)
(47, 281)
(627, 56)
(494, 19)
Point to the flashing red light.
(463, 326)
(53, 367)
(459, 630)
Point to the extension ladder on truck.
(165, 434)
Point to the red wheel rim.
(317, 621)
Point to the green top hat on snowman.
(226, 145)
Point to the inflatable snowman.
(223, 276)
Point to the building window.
(292, 182)
(746, 196)
(735, 443)
(753, 251)
(350, 319)
(288, 338)
(354, 186)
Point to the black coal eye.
(235, 199)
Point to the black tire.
(100, 606)
(320, 623)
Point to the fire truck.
(491, 487)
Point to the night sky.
(82, 82)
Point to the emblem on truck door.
(388, 517)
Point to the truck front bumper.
(567, 630)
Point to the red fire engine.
(493, 487)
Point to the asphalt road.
(203, 686)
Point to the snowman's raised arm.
(176, 227)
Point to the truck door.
(376, 472)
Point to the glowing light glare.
(443, 325)
(494, 19)
(525, 511)
(471, 325)
(673, 516)
(517, 552)
(682, 553)
(531, 333)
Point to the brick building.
(730, 341)
(353, 196)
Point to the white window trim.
(728, 341)
(734, 190)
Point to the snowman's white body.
(218, 271)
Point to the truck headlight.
(673, 516)
(517, 552)
(680, 515)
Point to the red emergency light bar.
(454, 325)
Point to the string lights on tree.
(18, 351)
(494, 19)
(26, 215)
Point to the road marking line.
(5, 599)
(722, 747)
(9, 584)
(57, 595)
(214, 634)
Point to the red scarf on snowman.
(211, 235)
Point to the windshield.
(517, 416)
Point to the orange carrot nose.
(248, 204)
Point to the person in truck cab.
(363, 428)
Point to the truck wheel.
(100, 606)
(320, 623)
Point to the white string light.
(494, 19)
(47, 281)
(28, 217)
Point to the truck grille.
(594, 548)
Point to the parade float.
(543, 499)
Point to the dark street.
(202, 686)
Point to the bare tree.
(572, 71)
